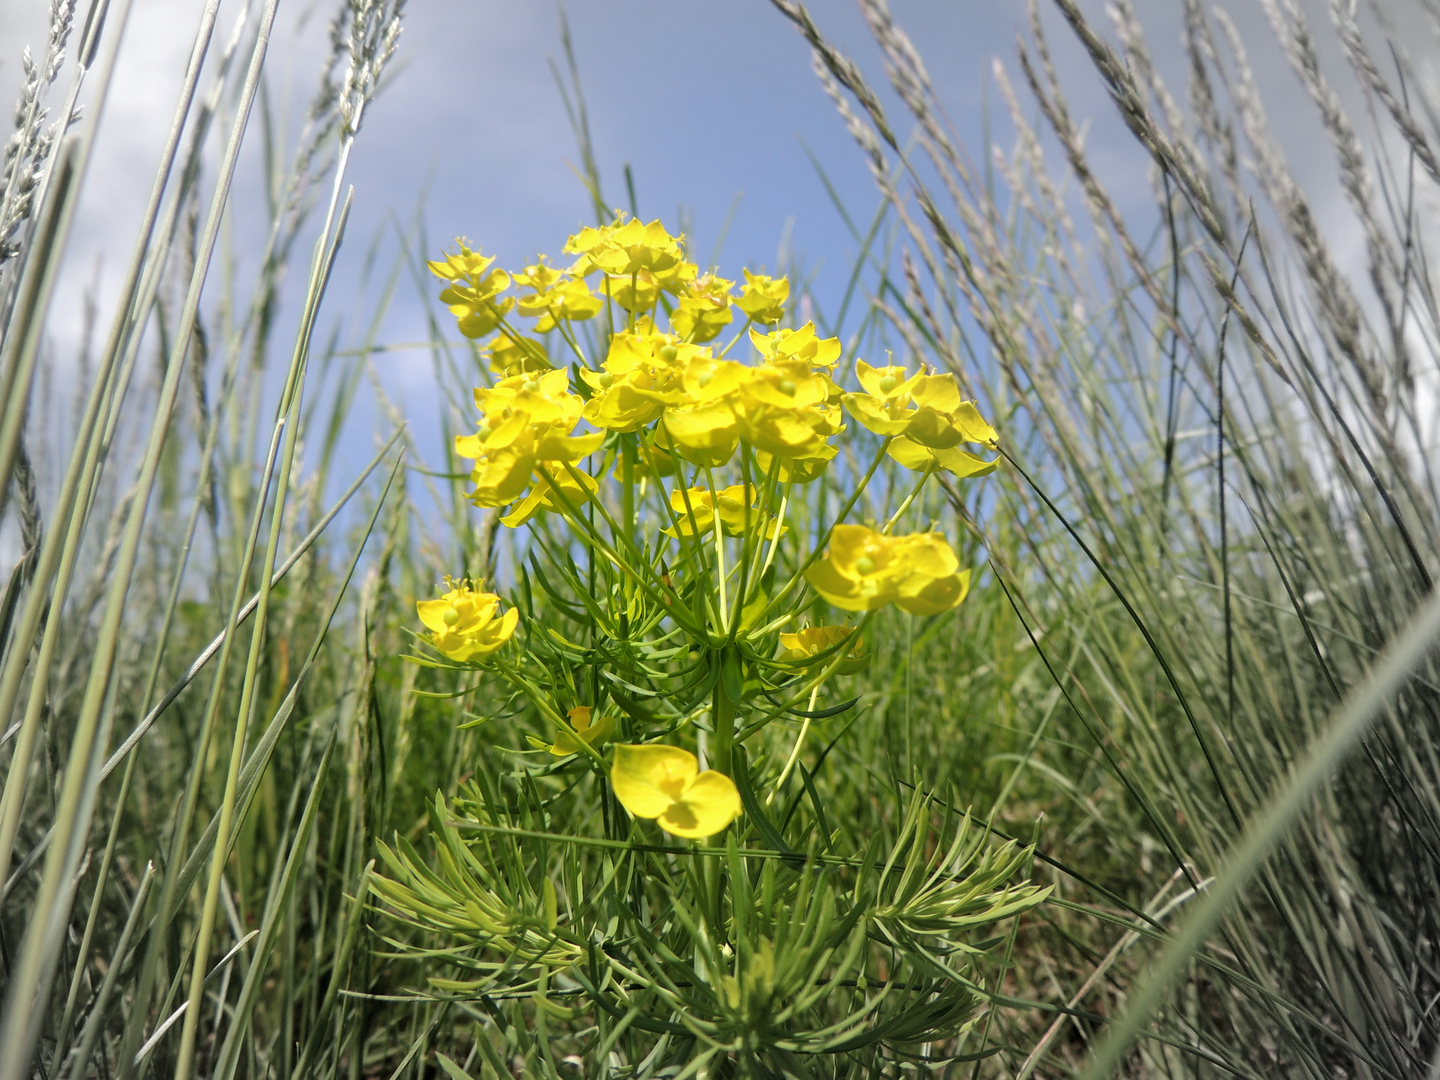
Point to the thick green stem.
(722, 715)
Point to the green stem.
(814, 557)
(722, 717)
(906, 504)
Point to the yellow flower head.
(590, 732)
(864, 570)
(624, 248)
(665, 783)
(704, 309)
(543, 398)
(465, 624)
(471, 292)
(763, 298)
(805, 645)
(926, 409)
(799, 344)
(705, 427)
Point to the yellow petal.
(840, 591)
(939, 594)
(871, 412)
(975, 426)
(927, 553)
(963, 464)
(432, 614)
(912, 455)
(648, 779)
(710, 802)
(939, 392)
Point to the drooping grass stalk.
(62, 545)
(1268, 831)
(290, 408)
(40, 949)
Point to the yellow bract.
(465, 624)
(763, 298)
(784, 411)
(640, 377)
(705, 428)
(554, 296)
(637, 261)
(806, 644)
(623, 248)
(864, 570)
(665, 783)
(953, 460)
(515, 356)
(796, 469)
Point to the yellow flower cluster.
(864, 570)
(526, 436)
(465, 624)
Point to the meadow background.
(1210, 351)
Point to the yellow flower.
(804, 645)
(634, 292)
(763, 298)
(465, 624)
(640, 377)
(799, 344)
(864, 570)
(554, 296)
(500, 476)
(517, 355)
(926, 409)
(637, 260)
(783, 410)
(592, 734)
(624, 248)
(700, 518)
(703, 310)
(665, 783)
(705, 429)
(471, 293)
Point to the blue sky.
(704, 101)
